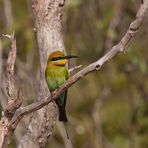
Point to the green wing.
(61, 101)
(55, 78)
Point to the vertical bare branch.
(13, 97)
(10, 67)
(47, 18)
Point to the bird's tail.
(66, 130)
(62, 114)
(63, 118)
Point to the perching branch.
(120, 47)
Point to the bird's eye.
(56, 59)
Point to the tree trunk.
(47, 18)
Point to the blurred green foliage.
(121, 86)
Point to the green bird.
(56, 74)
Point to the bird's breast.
(55, 77)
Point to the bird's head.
(58, 58)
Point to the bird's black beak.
(70, 57)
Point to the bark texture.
(47, 18)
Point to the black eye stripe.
(56, 59)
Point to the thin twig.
(71, 70)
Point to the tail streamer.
(66, 129)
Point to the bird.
(56, 73)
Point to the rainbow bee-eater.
(56, 74)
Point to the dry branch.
(10, 66)
(120, 47)
(13, 97)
